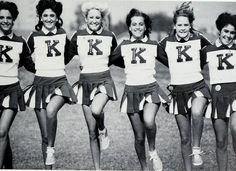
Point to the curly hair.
(48, 4)
(11, 7)
(186, 11)
(225, 19)
(147, 21)
(102, 7)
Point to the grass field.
(72, 143)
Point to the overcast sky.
(205, 12)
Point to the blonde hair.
(100, 6)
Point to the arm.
(116, 59)
(67, 58)
(204, 41)
(203, 57)
(72, 48)
(161, 54)
(25, 59)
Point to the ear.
(129, 29)
(174, 27)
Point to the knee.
(150, 124)
(92, 135)
(233, 129)
(96, 110)
(51, 112)
(185, 140)
(3, 133)
(221, 144)
(139, 140)
(197, 114)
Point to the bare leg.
(221, 131)
(93, 136)
(233, 129)
(6, 120)
(139, 135)
(198, 106)
(184, 125)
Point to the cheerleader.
(189, 92)
(142, 95)
(95, 87)
(14, 54)
(50, 90)
(221, 58)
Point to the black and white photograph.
(145, 85)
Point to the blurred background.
(161, 13)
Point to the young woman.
(142, 95)
(189, 92)
(95, 87)
(14, 54)
(221, 58)
(50, 89)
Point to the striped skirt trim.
(12, 97)
(43, 89)
(183, 95)
(223, 102)
(93, 83)
(135, 97)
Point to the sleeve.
(203, 57)
(25, 59)
(114, 43)
(161, 54)
(204, 41)
(116, 58)
(30, 42)
(67, 58)
(73, 49)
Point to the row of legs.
(142, 124)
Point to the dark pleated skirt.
(135, 97)
(43, 88)
(12, 97)
(182, 96)
(93, 83)
(223, 100)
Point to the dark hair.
(11, 7)
(225, 19)
(185, 11)
(49, 4)
(147, 21)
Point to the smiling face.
(94, 19)
(182, 27)
(49, 19)
(227, 34)
(137, 27)
(6, 22)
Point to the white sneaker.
(157, 163)
(50, 159)
(196, 156)
(103, 139)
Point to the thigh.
(198, 105)
(99, 102)
(136, 121)
(233, 120)
(184, 124)
(7, 118)
(90, 120)
(150, 111)
(221, 128)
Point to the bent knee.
(150, 124)
(3, 133)
(96, 110)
